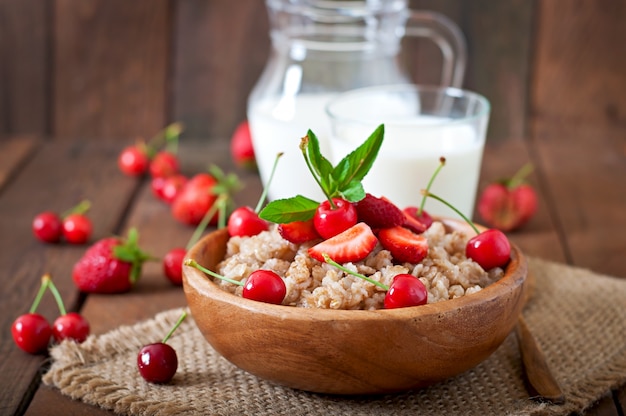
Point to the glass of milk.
(422, 124)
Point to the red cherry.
(331, 221)
(489, 249)
(173, 265)
(47, 227)
(417, 222)
(77, 228)
(31, 332)
(133, 161)
(157, 184)
(265, 286)
(245, 222)
(157, 362)
(405, 290)
(172, 187)
(164, 164)
(70, 326)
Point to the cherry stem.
(172, 133)
(304, 142)
(193, 263)
(82, 207)
(442, 162)
(45, 280)
(520, 175)
(332, 262)
(449, 205)
(56, 294)
(219, 202)
(259, 204)
(175, 327)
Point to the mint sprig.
(340, 181)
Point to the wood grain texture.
(25, 34)
(220, 51)
(580, 61)
(14, 152)
(499, 39)
(23, 260)
(111, 67)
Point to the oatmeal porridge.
(445, 272)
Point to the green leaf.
(357, 164)
(354, 192)
(298, 208)
(319, 163)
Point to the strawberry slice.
(298, 232)
(351, 245)
(403, 244)
(378, 212)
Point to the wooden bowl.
(353, 352)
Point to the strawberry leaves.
(340, 181)
(130, 252)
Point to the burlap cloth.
(578, 318)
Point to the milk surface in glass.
(277, 125)
(412, 147)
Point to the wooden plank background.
(118, 69)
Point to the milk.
(277, 125)
(410, 154)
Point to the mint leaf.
(354, 192)
(355, 165)
(298, 208)
(319, 163)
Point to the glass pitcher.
(324, 47)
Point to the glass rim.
(452, 92)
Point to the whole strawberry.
(241, 147)
(510, 203)
(111, 265)
(195, 199)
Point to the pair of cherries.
(74, 226)
(32, 332)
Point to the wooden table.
(580, 175)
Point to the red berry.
(133, 161)
(241, 147)
(403, 244)
(405, 290)
(157, 184)
(77, 228)
(164, 164)
(47, 227)
(157, 362)
(298, 232)
(507, 208)
(378, 212)
(195, 199)
(244, 222)
(265, 286)
(31, 332)
(352, 245)
(173, 265)
(414, 222)
(331, 221)
(172, 187)
(489, 249)
(111, 265)
(70, 326)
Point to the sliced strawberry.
(404, 244)
(378, 212)
(352, 245)
(416, 223)
(298, 232)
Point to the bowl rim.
(515, 275)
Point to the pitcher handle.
(448, 37)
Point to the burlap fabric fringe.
(578, 318)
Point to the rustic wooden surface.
(42, 174)
(78, 80)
